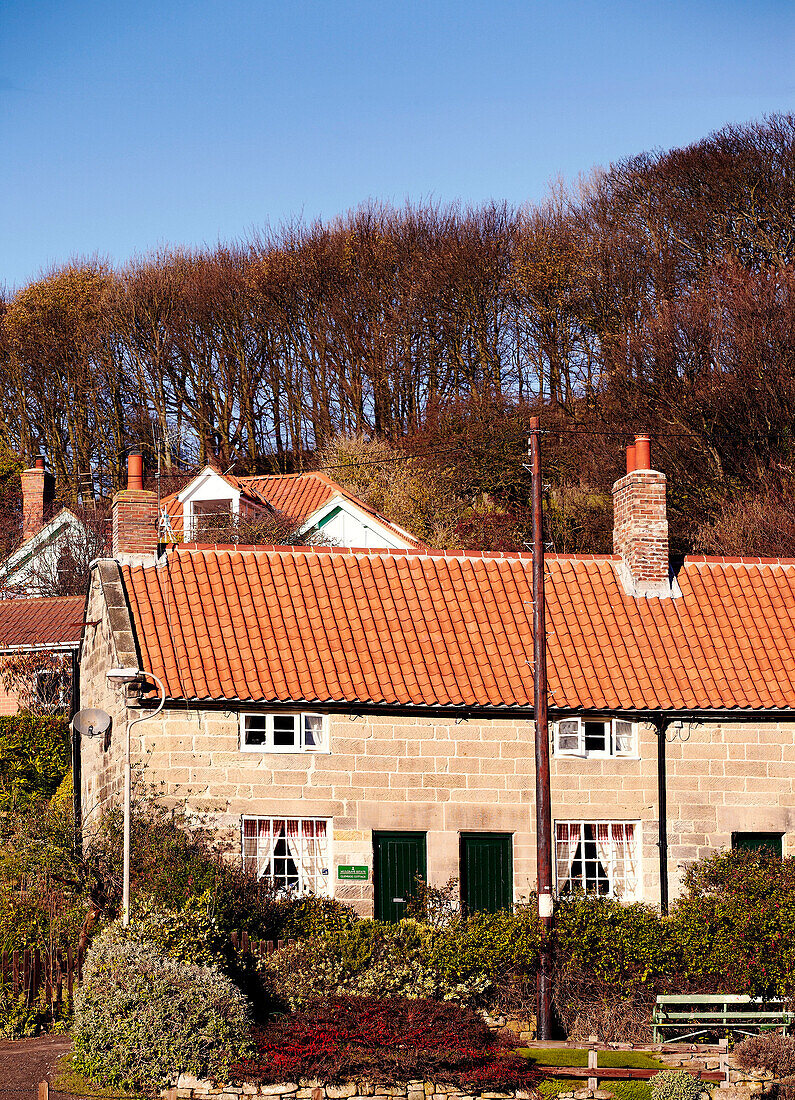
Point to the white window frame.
(60, 676)
(575, 727)
(269, 746)
(326, 878)
(632, 896)
(196, 518)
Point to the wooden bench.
(694, 1014)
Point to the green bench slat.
(729, 1010)
(704, 998)
(722, 1015)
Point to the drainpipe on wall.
(662, 810)
(77, 778)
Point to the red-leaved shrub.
(385, 1040)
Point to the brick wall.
(640, 529)
(134, 522)
(9, 702)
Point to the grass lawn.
(70, 1080)
(567, 1056)
(608, 1059)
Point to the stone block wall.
(443, 778)
(192, 1088)
(727, 777)
(102, 758)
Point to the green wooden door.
(755, 841)
(398, 858)
(486, 871)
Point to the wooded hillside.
(659, 295)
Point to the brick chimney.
(640, 524)
(135, 514)
(35, 482)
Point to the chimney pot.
(40, 463)
(630, 458)
(135, 469)
(642, 452)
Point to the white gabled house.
(212, 502)
(30, 568)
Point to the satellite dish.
(91, 722)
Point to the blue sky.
(125, 126)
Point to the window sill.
(592, 756)
(266, 750)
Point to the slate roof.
(296, 495)
(416, 628)
(47, 621)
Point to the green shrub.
(611, 960)
(189, 935)
(141, 1018)
(626, 945)
(35, 753)
(42, 897)
(21, 1018)
(302, 915)
(735, 924)
(467, 960)
(677, 1084)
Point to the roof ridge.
(263, 477)
(365, 551)
(430, 552)
(717, 559)
(9, 598)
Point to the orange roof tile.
(295, 495)
(44, 621)
(417, 628)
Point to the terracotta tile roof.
(296, 495)
(47, 621)
(409, 628)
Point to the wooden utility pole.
(543, 801)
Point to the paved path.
(26, 1062)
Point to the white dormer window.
(595, 737)
(211, 520)
(283, 733)
(210, 508)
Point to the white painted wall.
(209, 485)
(39, 555)
(345, 528)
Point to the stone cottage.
(351, 718)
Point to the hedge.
(142, 1018)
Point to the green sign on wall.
(352, 872)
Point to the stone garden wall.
(191, 1088)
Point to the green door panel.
(486, 872)
(398, 858)
(754, 841)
